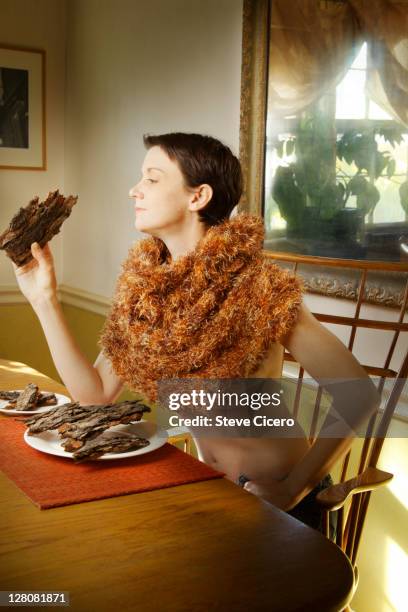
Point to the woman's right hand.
(37, 279)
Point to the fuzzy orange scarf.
(212, 313)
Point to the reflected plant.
(361, 148)
(314, 180)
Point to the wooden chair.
(356, 491)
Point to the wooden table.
(197, 547)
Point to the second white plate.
(61, 399)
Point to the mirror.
(324, 130)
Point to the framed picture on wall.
(22, 108)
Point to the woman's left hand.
(275, 492)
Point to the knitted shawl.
(212, 313)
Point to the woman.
(197, 299)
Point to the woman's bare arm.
(327, 360)
(355, 397)
(86, 383)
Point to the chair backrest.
(384, 374)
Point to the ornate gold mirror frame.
(386, 281)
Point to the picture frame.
(22, 108)
(335, 280)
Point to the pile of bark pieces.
(83, 429)
(28, 399)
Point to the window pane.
(350, 96)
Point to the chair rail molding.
(11, 295)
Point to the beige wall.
(157, 66)
(22, 339)
(38, 24)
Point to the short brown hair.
(203, 159)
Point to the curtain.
(313, 43)
(385, 26)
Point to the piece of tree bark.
(54, 417)
(110, 442)
(27, 398)
(9, 395)
(66, 418)
(36, 222)
(43, 399)
(76, 434)
(46, 399)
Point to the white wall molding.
(11, 294)
(99, 304)
(92, 302)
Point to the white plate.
(50, 441)
(61, 399)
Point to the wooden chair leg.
(187, 445)
(352, 520)
(339, 530)
(184, 438)
(361, 520)
(326, 530)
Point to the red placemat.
(51, 481)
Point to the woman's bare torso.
(259, 458)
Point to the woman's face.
(161, 198)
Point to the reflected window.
(336, 160)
